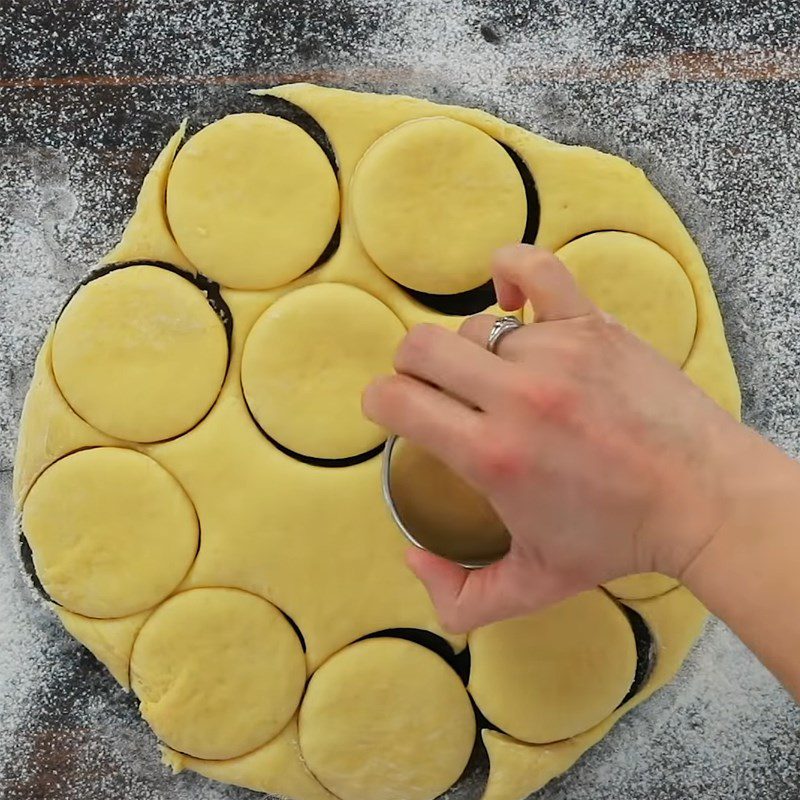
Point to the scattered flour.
(621, 75)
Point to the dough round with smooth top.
(306, 363)
(554, 674)
(140, 354)
(433, 199)
(112, 533)
(638, 283)
(252, 201)
(218, 672)
(386, 719)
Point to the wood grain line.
(685, 66)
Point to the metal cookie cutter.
(428, 502)
(437, 511)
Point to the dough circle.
(218, 672)
(641, 586)
(554, 674)
(432, 199)
(386, 719)
(140, 354)
(252, 201)
(639, 283)
(112, 533)
(306, 362)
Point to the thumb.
(466, 599)
(522, 272)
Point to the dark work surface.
(704, 96)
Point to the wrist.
(757, 499)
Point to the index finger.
(523, 272)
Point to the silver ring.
(500, 328)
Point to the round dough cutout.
(306, 362)
(140, 354)
(218, 672)
(252, 201)
(386, 719)
(554, 674)
(641, 586)
(432, 199)
(112, 533)
(640, 284)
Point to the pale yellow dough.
(140, 354)
(432, 200)
(317, 542)
(640, 284)
(307, 361)
(642, 586)
(556, 673)
(111, 532)
(386, 719)
(218, 672)
(252, 201)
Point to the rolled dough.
(251, 201)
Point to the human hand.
(600, 456)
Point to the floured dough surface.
(432, 199)
(252, 201)
(554, 674)
(139, 353)
(111, 531)
(194, 473)
(386, 719)
(218, 672)
(307, 361)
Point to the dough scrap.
(432, 199)
(252, 201)
(640, 284)
(218, 672)
(277, 768)
(139, 353)
(386, 719)
(554, 674)
(109, 640)
(306, 363)
(112, 533)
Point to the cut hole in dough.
(386, 719)
(218, 672)
(432, 199)
(252, 201)
(640, 284)
(140, 354)
(308, 359)
(111, 532)
(556, 673)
